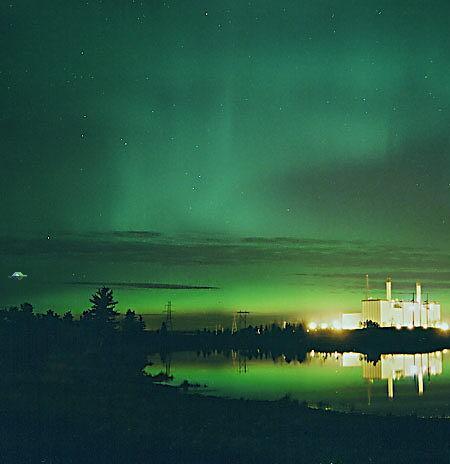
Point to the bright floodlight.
(18, 275)
(312, 326)
(324, 325)
(337, 325)
(444, 326)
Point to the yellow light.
(398, 326)
(410, 327)
(337, 325)
(312, 325)
(444, 326)
(324, 325)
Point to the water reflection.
(387, 384)
(239, 361)
(392, 367)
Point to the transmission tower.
(167, 364)
(168, 313)
(242, 319)
(239, 361)
(166, 360)
(242, 364)
(234, 324)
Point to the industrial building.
(390, 312)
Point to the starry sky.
(224, 140)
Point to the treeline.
(114, 344)
(100, 338)
(103, 338)
(271, 340)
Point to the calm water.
(398, 383)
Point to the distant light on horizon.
(337, 325)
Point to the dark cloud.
(403, 280)
(143, 234)
(291, 241)
(198, 250)
(139, 285)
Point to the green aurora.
(281, 150)
(276, 278)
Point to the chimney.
(418, 292)
(388, 289)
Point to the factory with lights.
(390, 312)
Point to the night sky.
(275, 150)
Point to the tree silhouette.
(370, 324)
(101, 317)
(68, 317)
(102, 309)
(132, 324)
(50, 314)
(27, 308)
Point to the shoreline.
(168, 425)
(370, 342)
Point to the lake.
(400, 384)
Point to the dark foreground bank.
(139, 422)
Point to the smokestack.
(388, 289)
(418, 292)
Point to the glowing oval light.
(324, 325)
(444, 326)
(312, 325)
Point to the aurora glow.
(212, 122)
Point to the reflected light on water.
(392, 367)
(350, 381)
